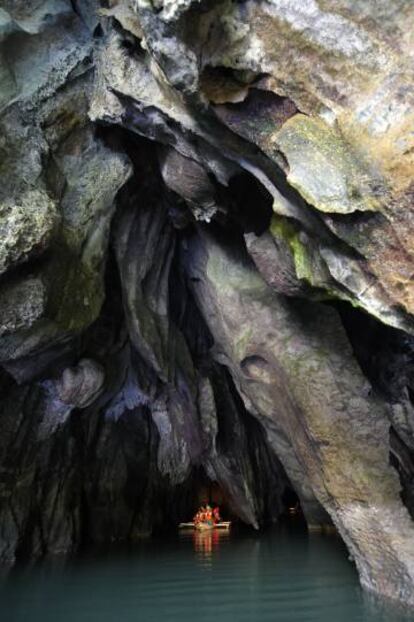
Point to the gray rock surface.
(80, 386)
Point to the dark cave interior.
(115, 487)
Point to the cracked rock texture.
(207, 271)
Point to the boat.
(206, 526)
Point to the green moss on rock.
(285, 229)
(309, 265)
(323, 168)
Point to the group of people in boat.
(207, 515)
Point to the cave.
(206, 287)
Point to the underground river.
(283, 575)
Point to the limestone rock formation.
(207, 270)
(284, 357)
(81, 385)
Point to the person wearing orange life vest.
(216, 515)
(209, 515)
(202, 514)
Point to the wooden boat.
(204, 526)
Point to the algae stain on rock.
(323, 168)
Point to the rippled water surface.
(279, 576)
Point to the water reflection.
(206, 543)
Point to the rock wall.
(206, 270)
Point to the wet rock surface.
(206, 271)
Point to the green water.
(279, 577)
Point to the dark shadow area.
(250, 204)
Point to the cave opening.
(155, 346)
